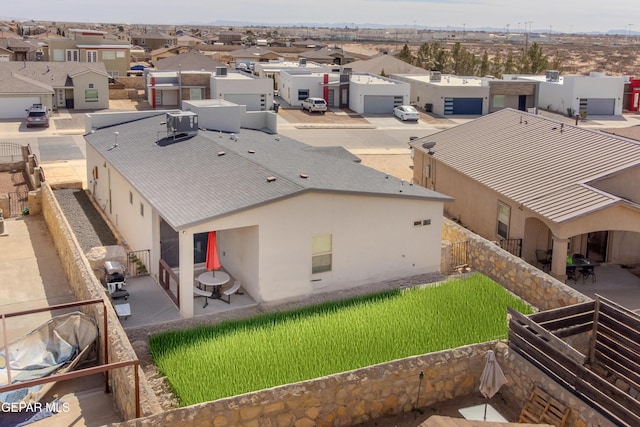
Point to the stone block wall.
(365, 394)
(514, 274)
(86, 286)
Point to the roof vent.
(304, 175)
(435, 76)
(271, 178)
(302, 62)
(251, 151)
(221, 153)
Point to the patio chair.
(542, 257)
(571, 274)
(588, 272)
(235, 289)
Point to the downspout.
(325, 89)
(179, 86)
(153, 92)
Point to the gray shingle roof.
(191, 61)
(46, 74)
(542, 164)
(188, 183)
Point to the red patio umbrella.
(213, 261)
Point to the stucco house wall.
(90, 81)
(291, 83)
(235, 86)
(365, 85)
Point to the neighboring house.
(230, 38)
(53, 84)
(291, 220)
(255, 93)
(167, 52)
(594, 95)
(362, 93)
(328, 55)
(20, 50)
(447, 95)
(273, 69)
(388, 64)
(168, 88)
(92, 46)
(188, 41)
(189, 61)
(308, 43)
(251, 55)
(555, 186)
(153, 40)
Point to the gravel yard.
(85, 221)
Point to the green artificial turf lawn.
(212, 362)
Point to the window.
(92, 56)
(195, 93)
(120, 54)
(303, 94)
(91, 95)
(498, 101)
(108, 55)
(58, 55)
(73, 55)
(504, 214)
(321, 253)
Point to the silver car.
(406, 112)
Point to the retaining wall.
(361, 395)
(514, 274)
(85, 285)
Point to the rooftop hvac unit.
(553, 76)
(221, 71)
(435, 76)
(302, 62)
(181, 124)
(347, 70)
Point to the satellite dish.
(428, 145)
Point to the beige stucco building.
(291, 220)
(557, 187)
(92, 46)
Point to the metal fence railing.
(138, 262)
(513, 246)
(459, 254)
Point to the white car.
(406, 112)
(314, 104)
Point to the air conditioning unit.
(553, 75)
(347, 70)
(181, 124)
(221, 71)
(435, 76)
(302, 62)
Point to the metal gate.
(459, 253)
(18, 201)
(513, 246)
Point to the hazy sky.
(544, 15)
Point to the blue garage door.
(463, 106)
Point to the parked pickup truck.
(314, 104)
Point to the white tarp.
(57, 345)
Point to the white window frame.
(321, 253)
(499, 101)
(72, 55)
(503, 220)
(195, 93)
(58, 55)
(108, 55)
(92, 56)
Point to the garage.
(601, 106)
(14, 108)
(378, 104)
(252, 101)
(463, 106)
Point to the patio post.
(559, 258)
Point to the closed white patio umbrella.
(492, 379)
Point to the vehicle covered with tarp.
(57, 346)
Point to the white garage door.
(601, 106)
(14, 108)
(253, 102)
(378, 104)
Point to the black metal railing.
(18, 202)
(10, 152)
(513, 246)
(459, 254)
(138, 262)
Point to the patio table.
(215, 279)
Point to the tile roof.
(539, 163)
(189, 183)
(388, 63)
(33, 76)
